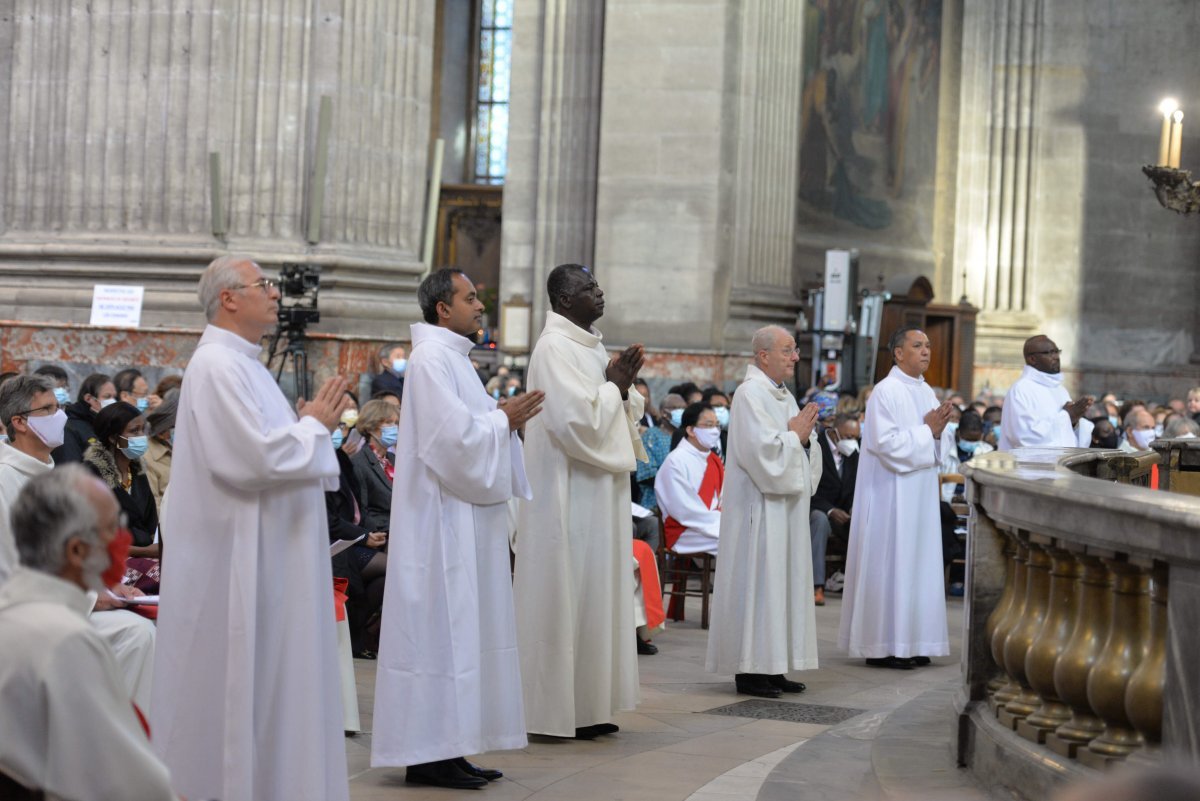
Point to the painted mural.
(868, 147)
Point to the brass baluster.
(1144, 695)
(1122, 653)
(1049, 644)
(1004, 605)
(1093, 619)
(1020, 639)
(1010, 689)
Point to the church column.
(993, 243)
(553, 144)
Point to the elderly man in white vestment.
(893, 601)
(68, 727)
(35, 425)
(1038, 412)
(573, 587)
(245, 703)
(763, 617)
(448, 682)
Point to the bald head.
(1042, 354)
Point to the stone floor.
(672, 748)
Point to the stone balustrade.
(1082, 588)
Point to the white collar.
(1052, 380)
(424, 332)
(905, 377)
(215, 335)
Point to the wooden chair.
(677, 570)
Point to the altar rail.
(1081, 618)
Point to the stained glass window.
(491, 98)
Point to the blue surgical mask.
(171, 437)
(722, 413)
(389, 434)
(60, 395)
(104, 404)
(338, 438)
(1112, 418)
(512, 391)
(952, 427)
(143, 404)
(677, 417)
(3, 437)
(969, 447)
(398, 366)
(135, 447)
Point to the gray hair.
(16, 395)
(1131, 417)
(52, 509)
(386, 349)
(221, 274)
(1179, 426)
(764, 338)
(163, 416)
(673, 399)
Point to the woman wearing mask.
(689, 484)
(133, 389)
(95, 393)
(116, 457)
(378, 423)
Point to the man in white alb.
(448, 682)
(245, 703)
(1038, 412)
(573, 587)
(763, 617)
(893, 601)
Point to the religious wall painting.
(869, 120)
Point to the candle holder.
(1174, 188)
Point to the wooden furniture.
(950, 328)
(678, 570)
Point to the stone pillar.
(111, 111)
(553, 144)
(1000, 64)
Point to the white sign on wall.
(116, 305)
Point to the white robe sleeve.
(900, 446)
(244, 448)
(590, 422)
(773, 458)
(471, 454)
(678, 495)
(1032, 424)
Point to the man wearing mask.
(391, 368)
(1139, 431)
(834, 499)
(62, 382)
(67, 727)
(1038, 411)
(95, 393)
(657, 442)
(1104, 434)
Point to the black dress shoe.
(474, 770)
(586, 733)
(646, 648)
(444, 773)
(606, 728)
(921, 661)
(893, 662)
(756, 684)
(785, 685)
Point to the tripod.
(299, 358)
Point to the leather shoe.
(586, 733)
(606, 728)
(474, 770)
(819, 596)
(921, 661)
(756, 684)
(785, 685)
(444, 773)
(893, 662)
(645, 648)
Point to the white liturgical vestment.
(573, 585)
(246, 704)
(67, 725)
(677, 492)
(448, 680)
(1034, 416)
(763, 618)
(893, 601)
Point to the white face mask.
(49, 429)
(707, 437)
(1142, 437)
(106, 402)
(847, 447)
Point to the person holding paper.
(448, 683)
(1038, 411)
(35, 425)
(573, 586)
(245, 704)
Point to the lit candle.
(1168, 107)
(1176, 139)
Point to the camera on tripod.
(299, 284)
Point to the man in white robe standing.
(1038, 411)
(893, 601)
(573, 585)
(763, 615)
(448, 680)
(245, 704)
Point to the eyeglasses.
(265, 284)
(49, 408)
(1052, 352)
